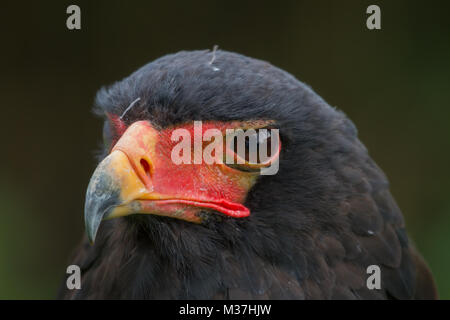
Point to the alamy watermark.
(251, 149)
(73, 281)
(373, 21)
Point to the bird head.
(184, 97)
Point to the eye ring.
(234, 158)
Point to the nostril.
(146, 166)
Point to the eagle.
(156, 229)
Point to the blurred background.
(393, 83)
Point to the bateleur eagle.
(216, 231)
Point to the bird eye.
(252, 149)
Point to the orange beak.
(138, 177)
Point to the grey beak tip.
(96, 209)
(92, 221)
(102, 195)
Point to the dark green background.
(393, 83)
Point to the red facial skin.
(202, 186)
(118, 126)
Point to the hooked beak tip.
(95, 212)
(102, 195)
